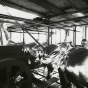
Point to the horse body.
(76, 70)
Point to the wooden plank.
(20, 7)
(49, 6)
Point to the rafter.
(65, 14)
(21, 19)
(69, 13)
(85, 22)
(70, 19)
(47, 5)
(73, 5)
(20, 7)
(35, 23)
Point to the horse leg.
(50, 70)
(63, 79)
(73, 78)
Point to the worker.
(84, 43)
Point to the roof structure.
(50, 13)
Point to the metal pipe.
(37, 23)
(31, 32)
(85, 32)
(48, 40)
(21, 19)
(51, 36)
(74, 35)
(60, 35)
(70, 19)
(23, 39)
(34, 39)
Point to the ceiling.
(53, 13)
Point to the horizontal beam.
(13, 18)
(79, 25)
(30, 30)
(66, 29)
(33, 22)
(25, 32)
(70, 13)
(72, 19)
(22, 19)
(8, 21)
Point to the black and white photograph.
(43, 43)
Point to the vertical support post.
(48, 39)
(23, 40)
(74, 35)
(10, 34)
(60, 35)
(20, 36)
(23, 36)
(85, 32)
(38, 35)
(51, 36)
